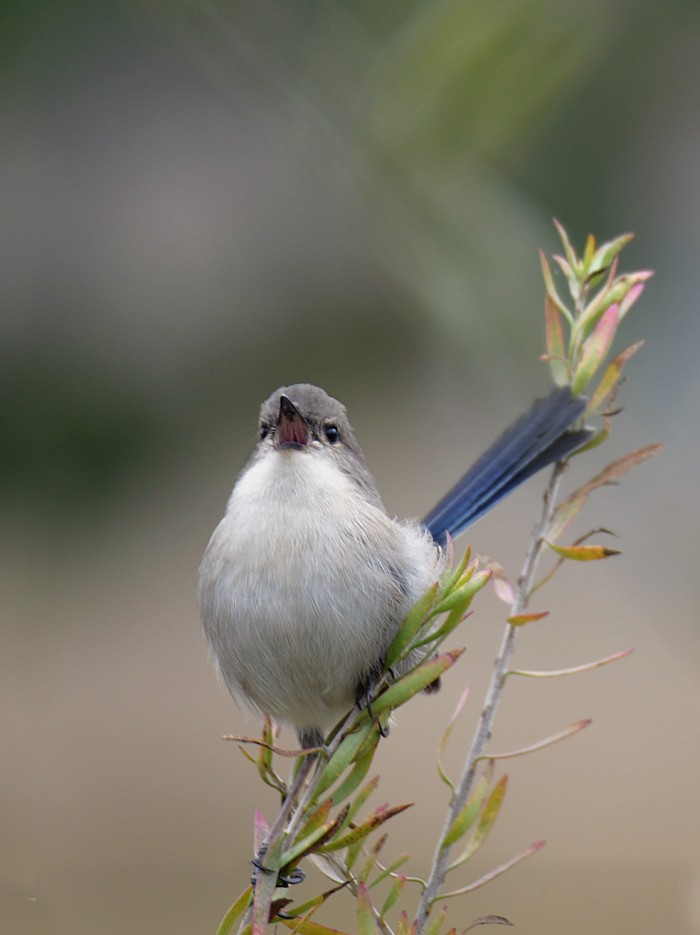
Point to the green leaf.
(362, 798)
(365, 912)
(595, 349)
(355, 777)
(452, 575)
(308, 927)
(437, 923)
(556, 348)
(468, 815)
(551, 289)
(235, 912)
(411, 625)
(415, 681)
(612, 376)
(607, 252)
(346, 753)
(461, 597)
(377, 818)
(393, 894)
(574, 262)
(486, 821)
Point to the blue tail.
(538, 438)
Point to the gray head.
(304, 418)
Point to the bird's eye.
(264, 431)
(332, 434)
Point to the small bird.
(306, 579)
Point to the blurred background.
(202, 201)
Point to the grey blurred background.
(202, 201)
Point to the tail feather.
(539, 437)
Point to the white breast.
(303, 585)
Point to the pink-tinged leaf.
(584, 553)
(629, 300)
(261, 829)
(377, 818)
(365, 912)
(446, 736)
(496, 872)
(550, 287)
(572, 279)
(572, 670)
(235, 912)
(566, 513)
(487, 920)
(501, 585)
(541, 744)
(611, 378)
(595, 349)
(554, 336)
(265, 886)
(405, 927)
(519, 620)
(568, 249)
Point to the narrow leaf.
(565, 514)
(595, 349)
(572, 670)
(488, 815)
(415, 681)
(452, 576)
(377, 818)
(550, 287)
(461, 597)
(362, 798)
(365, 912)
(309, 927)
(607, 252)
(568, 249)
(446, 736)
(611, 377)
(411, 625)
(393, 894)
(547, 742)
(344, 755)
(468, 815)
(519, 620)
(389, 870)
(437, 923)
(496, 872)
(487, 920)
(354, 778)
(554, 336)
(584, 553)
(235, 912)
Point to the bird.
(306, 579)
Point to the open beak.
(291, 430)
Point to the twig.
(483, 731)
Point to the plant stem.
(493, 697)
